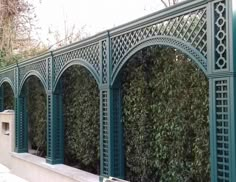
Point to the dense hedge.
(36, 108)
(165, 114)
(165, 105)
(8, 96)
(81, 108)
(36, 111)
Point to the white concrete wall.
(34, 168)
(6, 141)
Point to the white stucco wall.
(31, 167)
(6, 140)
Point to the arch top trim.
(8, 80)
(80, 62)
(29, 74)
(179, 44)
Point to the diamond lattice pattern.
(190, 27)
(8, 74)
(39, 66)
(89, 54)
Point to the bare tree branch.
(169, 2)
(164, 3)
(16, 23)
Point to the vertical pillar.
(118, 143)
(222, 121)
(21, 124)
(21, 127)
(222, 90)
(55, 123)
(112, 147)
(232, 36)
(111, 127)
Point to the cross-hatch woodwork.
(201, 29)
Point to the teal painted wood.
(202, 29)
(119, 146)
(232, 36)
(55, 129)
(58, 126)
(8, 76)
(55, 122)
(21, 125)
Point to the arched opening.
(8, 96)
(165, 116)
(34, 95)
(81, 119)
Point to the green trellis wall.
(202, 29)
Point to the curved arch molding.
(181, 45)
(8, 80)
(29, 74)
(80, 62)
(201, 29)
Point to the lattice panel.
(38, 66)
(105, 134)
(16, 81)
(190, 27)
(16, 125)
(21, 125)
(222, 130)
(104, 62)
(56, 132)
(58, 125)
(117, 133)
(220, 36)
(49, 126)
(89, 54)
(49, 73)
(9, 74)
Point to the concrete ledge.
(70, 173)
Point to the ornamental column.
(55, 123)
(111, 126)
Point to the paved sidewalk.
(7, 176)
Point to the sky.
(87, 16)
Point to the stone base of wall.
(35, 169)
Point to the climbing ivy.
(36, 110)
(165, 115)
(81, 108)
(165, 106)
(8, 96)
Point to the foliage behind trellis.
(165, 104)
(36, 98)
(211, 47)
(166, 118)
(81, 108)
(8, 97)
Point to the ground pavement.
(7, 176)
